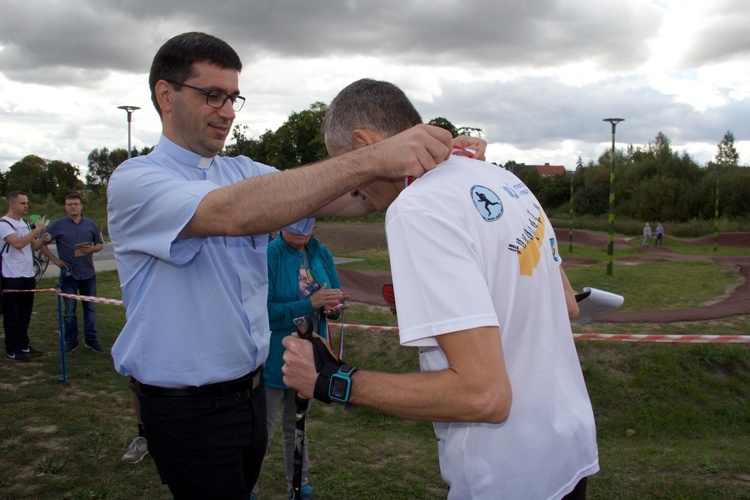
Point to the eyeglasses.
(72, 204)
(216, 98)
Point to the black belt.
(249, 382)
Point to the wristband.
(322, 383)
(326, 365)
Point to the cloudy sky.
(537, 76)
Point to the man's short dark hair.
(73, 196)
(174, 60)
(372, 104)
(13, 195)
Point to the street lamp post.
(611, 239)
(129, 110)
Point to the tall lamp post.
(611, 239)
(129, 110)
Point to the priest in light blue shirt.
(189, 230)
(205, 298)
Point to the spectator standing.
(302, 281)
(77, 239)
(20, 241)
(646, 235)
(659, 240)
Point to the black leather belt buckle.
(251, 381)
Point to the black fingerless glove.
(326, 365)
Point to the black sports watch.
(340, 386)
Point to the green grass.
(722, 251)
(371, 260)
(651, 286)
(592, 252)
(625, 225)
(689, 406)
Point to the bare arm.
(475, 388)
(262, 204)
(570, 295)
(52, 257)
(345, 206)
(40, 242)
(354, 206)
(18, 242)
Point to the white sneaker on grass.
(136, 451)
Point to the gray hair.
(375, 105)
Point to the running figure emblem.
(487, 203)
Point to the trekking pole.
(304, 326)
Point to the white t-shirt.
(16, 263)
(470, 246)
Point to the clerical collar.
(182, 155)
(205, 163)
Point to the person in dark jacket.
(302, 281)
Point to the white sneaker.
(136, 451)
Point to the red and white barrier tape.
(366, 327)
(616, 337)
(84, 298)
(683, 339)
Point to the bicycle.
(41, 262)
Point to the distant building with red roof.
(548, 170)
(545, 170)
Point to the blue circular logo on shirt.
(487, 203)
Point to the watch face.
(339, 388)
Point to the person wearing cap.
(302, 281)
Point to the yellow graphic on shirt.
(530, 253)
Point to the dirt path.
(735, 304)
(365, 286)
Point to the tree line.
(651, 182)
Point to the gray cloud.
(484, 32)
(71, 42)
(722, 36)
(542, 112)
(80, 43)
(114, 35)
